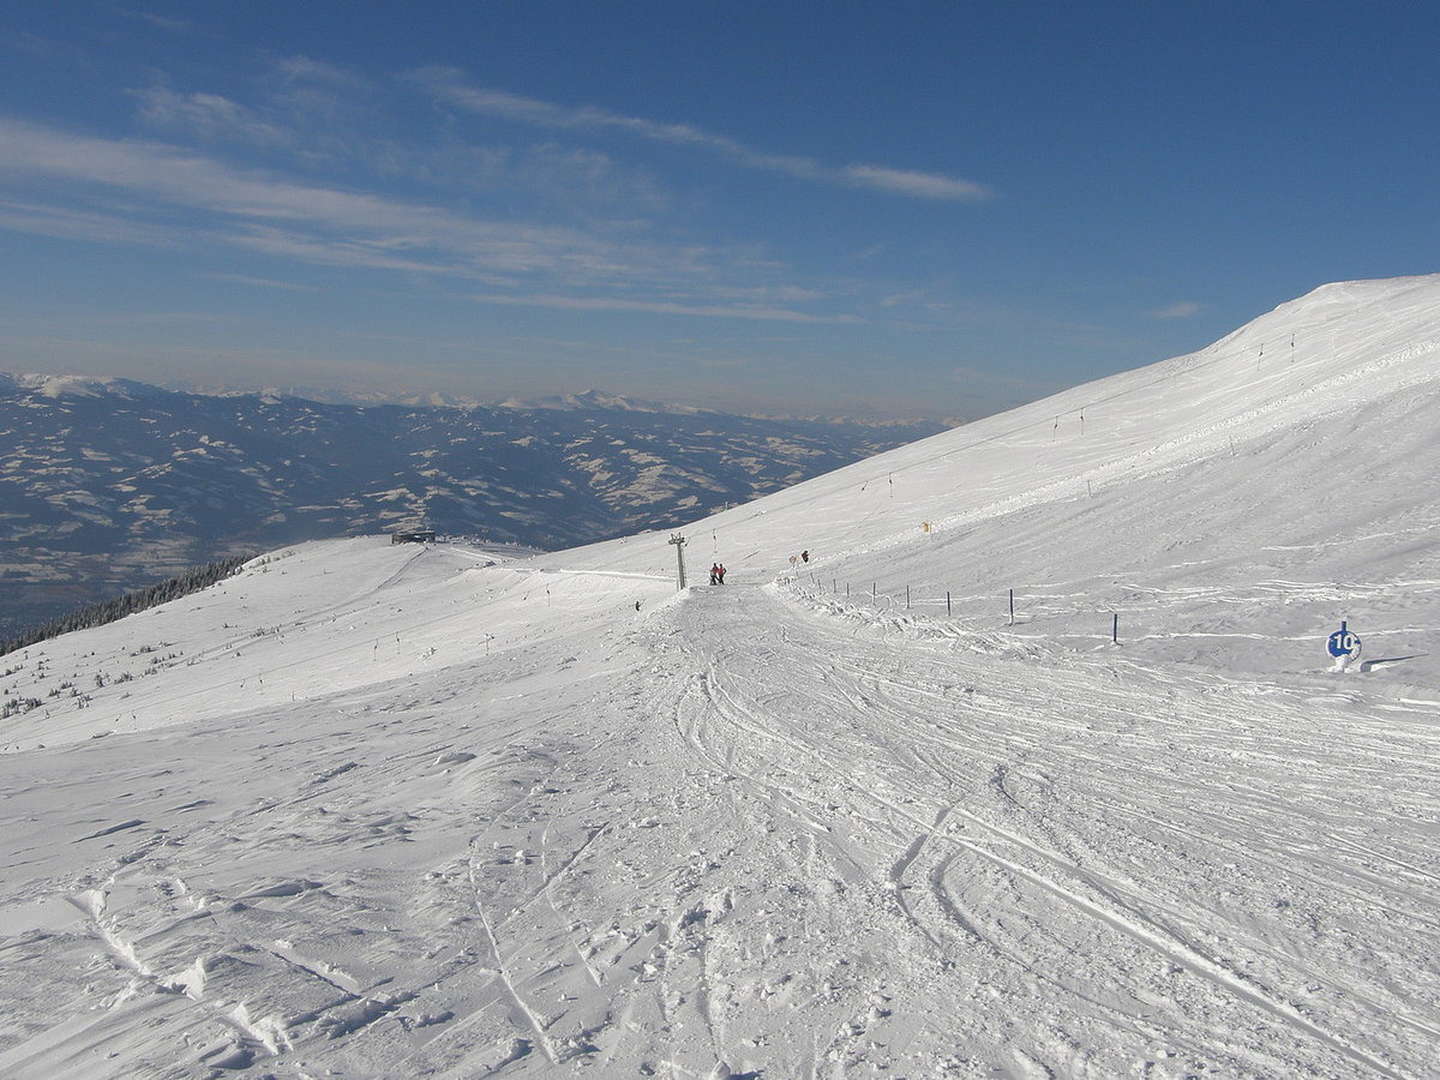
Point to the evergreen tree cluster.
(107, 611)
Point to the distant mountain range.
(109, 484)
(586, 399)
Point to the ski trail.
(532, 1019)
(902, 866)
(551, 877)
(779, 756)
(1190, 958)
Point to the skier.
(722, 573)
(714, 573)
(805, 555)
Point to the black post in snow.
(947, 601)
(1115, 628)
(907, 596)
(1012, 607)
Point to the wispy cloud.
(665, 307)
(263, 283)
(1181, 309)
(448, 85)
(68, 224)
(323, 251)
(312, 222)
(773, 294)
(153, 193)
(209, 116)
(308, 69)
(917, 185)
(163, 22)
(22, 41)
(897, 299)
(326, 118)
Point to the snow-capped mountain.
(108, 484)
(598, 399)
(77, 386)
(364, 810)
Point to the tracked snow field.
(375, 811)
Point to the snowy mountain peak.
(55, 386)
(598, 399)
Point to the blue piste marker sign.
(1343, 643)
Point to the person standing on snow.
(722, 573)
(805, 555)
(714, 573)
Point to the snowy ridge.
(55, 386)
(394, 811)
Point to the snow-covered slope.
(366, 810)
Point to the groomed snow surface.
(375, 811)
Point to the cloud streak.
(163, 22)
(156, 194)
(1181, 309)
(67, 224)
(208, 115)
(448, 85)
(312, 222)
(665, 307)
(263, 283)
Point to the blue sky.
(904, 209)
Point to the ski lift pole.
(679, 542)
